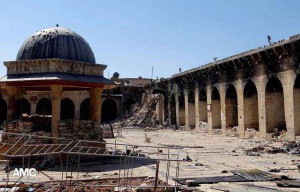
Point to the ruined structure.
(257, 89)
(55, 73)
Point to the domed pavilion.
(51, 63)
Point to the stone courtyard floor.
(211, 155)
(219, 154)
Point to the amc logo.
(20, 172)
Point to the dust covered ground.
(213, 155)
(210, 155)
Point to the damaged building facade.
(258, 90)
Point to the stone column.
(222, 90)
(95, 104)
(33, 105)
(56, 101)
(159, 108)
(197, 117)
(177, 106)
(169, 109)
(77, 109)
(240, 100)
(186, 109)
(209, 114)
(162, 102)
(12, 107)
(288, 79)
(260, 82)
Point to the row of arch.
(274, 106)
(44, 107)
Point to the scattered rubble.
(251, 133)
(141, 114)
(232, 131)
(203, 125)
(292, 147)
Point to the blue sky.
(131, 36)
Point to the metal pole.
(156, 175)
(78, 170)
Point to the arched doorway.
(109, 110)
(251, 106)
(191, 102)
(274, 105)
(67, 109)
(231, 107)
(202, 105)
(44, 107)
(216, 109)
(173, 109)
(181, 109)
(297, 106)
(3, 111)
(24, 106)
(85, 109)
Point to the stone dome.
(58, 43)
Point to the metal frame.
(85, 148)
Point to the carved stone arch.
(3, 110)
(67, 109)
(44, 107)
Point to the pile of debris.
(251, 133)
(256, 151)
(232, 131)
(292, 147)
(278, 135)
(203, 125)
(141, 115)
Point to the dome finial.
(57, 25)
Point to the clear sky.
(131, 36)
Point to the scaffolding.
(66, 150)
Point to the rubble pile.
(203, 125)
(251, 133)
(107, 131)
(232, 131)
(278, 135)
(256, 151)
(292, 147)
(141, 115)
